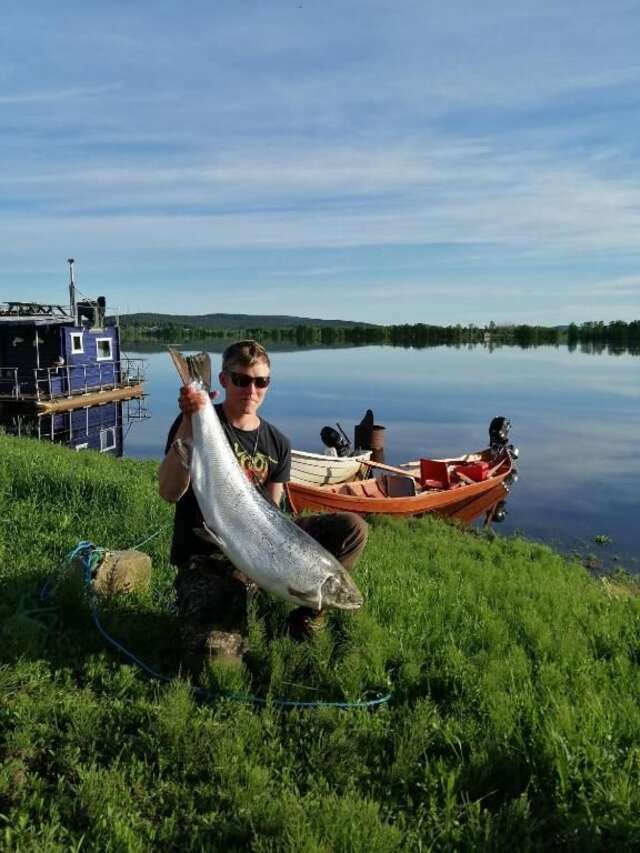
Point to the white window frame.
(104, 357)
(84, 446)
(103, 442)
(74, 348)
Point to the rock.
(123, 571)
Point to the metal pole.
(72, 292)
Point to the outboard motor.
(499, 429)
(337, 440)
(499, 434)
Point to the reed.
(514, 677)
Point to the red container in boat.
(477, 471)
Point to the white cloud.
(420, 193)
(47, 96)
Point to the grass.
(514, 674)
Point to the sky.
(388, 162)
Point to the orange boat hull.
(449, 501)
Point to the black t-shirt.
(270, 463)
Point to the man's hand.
(190, 401)
(193, 399)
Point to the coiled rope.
(91, 555)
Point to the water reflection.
(489, 508)
(102, 428)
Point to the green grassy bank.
(513, 724)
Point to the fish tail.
(181, 365)
(192, 368)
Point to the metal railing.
(9, 382)
(70, 380)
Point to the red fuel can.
(477, 471)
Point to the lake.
(575, 418)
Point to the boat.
(319, 469)
(443, 486)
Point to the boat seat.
(348, 489)
(398, 486)
(371, 488)
(434, 474)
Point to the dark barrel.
(370, 436)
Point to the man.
(211, 594)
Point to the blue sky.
(379, 161)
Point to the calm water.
(575, 418)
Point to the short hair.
(244, 354)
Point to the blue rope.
(90, 556)
(149, 538)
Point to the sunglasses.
(241, 380)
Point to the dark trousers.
(212, 595)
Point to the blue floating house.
(59, 358)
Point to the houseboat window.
(107, 439)
(76, 343)
(103, 348)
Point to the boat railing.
(70, 380)
(10, 382)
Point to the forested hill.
(232, 321)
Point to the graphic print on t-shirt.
(254, 465)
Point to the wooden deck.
(66, 404)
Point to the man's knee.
(355, 532)
(343, 534)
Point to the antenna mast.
(72, 292)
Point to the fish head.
(339, 590)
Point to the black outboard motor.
(499, 429)
(338, 440)
(499, 434)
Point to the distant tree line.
(593, 337)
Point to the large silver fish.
(258, 539)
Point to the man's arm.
(281, 471)
(275, 491)
(173, 474)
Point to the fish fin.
(193, 368)
(308, 598)
(209, 536)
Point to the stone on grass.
(123, 571)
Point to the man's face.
(242, 395)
